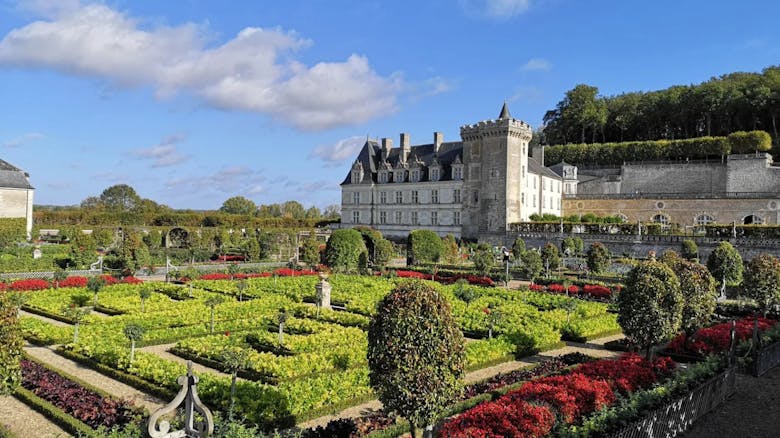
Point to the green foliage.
(748, 142)
(483, 260)
(12, 230)
(650, 307)
(343, 250)
(310, 250)
(120, 197)
(550, 257)
(238, 205)
(11, 340)
(518, 248)
(424, 246)
(762, 281)
(531, 265)
(379, 250)
(575, 245)
(699, 295)
(725, 264)
(134, 332)
(95, 285)
(451, 253)
(415, 353)
(598, 257)
(690, 251)
(82, 249)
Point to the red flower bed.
(472, 279)
(84, 404)
(109, 280)
(591, 290)
(74, 281)
(287, 272)
(536, 287)
(30, 284)
(215, 276)
(596, 291)
(589, 388)
(717, 339)
(132, 280)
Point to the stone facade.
(478, 185)
(16, 194)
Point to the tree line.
(739, 101)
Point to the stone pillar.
(323, 289)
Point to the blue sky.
(192, 102)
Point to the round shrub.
(342, 253)
(424, 246)
(762, 281)
(598, 257)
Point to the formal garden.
(275, 351)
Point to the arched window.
(704, 219)
(661, 219)
(753, 220)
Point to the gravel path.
(752, 412)
(23, 421)
(594, 348)
(162, 351)
(94, 378)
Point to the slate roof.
(371, 154)
(558, 168)
(535, 167)
(11, 177)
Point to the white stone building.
(468, 188)
(16, 194)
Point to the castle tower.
(495, 154)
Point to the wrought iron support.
(189, 395)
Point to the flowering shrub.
(29, 284)
(588, 290)
(597, 291)
(571, 396)
(472, 279)
(109, 280)
(536, 287)
(215, 276)
(502, 419)
(74, 281)
(717, 339)
(628, 373)
(131, 280)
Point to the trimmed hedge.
(693, 148)
(55, 414)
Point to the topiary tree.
(212, 302)
(95, 285)
(762, 281)
(598, 257)
(699, 295)
(145, 292)
(650, 306)
(574, 245)
(415, 354)
(241, 286)
(57, 277)
(483, 260)
(451, 250)
(232, 270)
(310, 250)
(134, 333)
(532, 265)
(343, 250)
(76, 314)
(690, 251)
(550, 257)
(12, 342)
(281, 318)
(518, 248)
(379, 250)
(235, 360)
(725, 264)
(423, 246)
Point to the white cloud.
(342, 150)
(23, 139)
(233, 179)
(536, 64)
(255, 71)
(497, 9)
(165, 153)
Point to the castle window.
(434, 196)
(457, 173)
(399, 197)
(382, 217)
(415, 197)
(399, 176)
(704, 219)
(398, 217)
(356, 176)
(753, 220)
(456, 196)
(383, 197)
(456, 218)
(415, 176)
(435, 174)
(356, 198)
(434, 218)
(661, 219)
(355, 217)
(413, 217)
(383, 177)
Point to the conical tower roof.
(504, 112)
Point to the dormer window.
(357, 173)
(415, 175)
(398, 176)
(457, 173)
(383, 176)
(435, 174)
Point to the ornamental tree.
(650, 306)
(144, 292)
(699, 295)
(416, 354)
(423, 246)
(235, 360)
(483, 260)
(310, 250)
(95, 285)
(11, 340)
(238, 205)
(212, 302)
(518, 248)
(134, 333)
(725, 264)
(690, 251)
(343, 250)
(75, 314)
(532, 265)
(451, 250)
(550, 257)
(57, 277)
(762, 281)
(574, 245)
(598, 257)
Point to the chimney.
(438, 139)
(406, 146)
(387, 144)
(538, 153)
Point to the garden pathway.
(162, 351)
(94, 378)
(43, 318)
(23, 421)
(593, 348)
